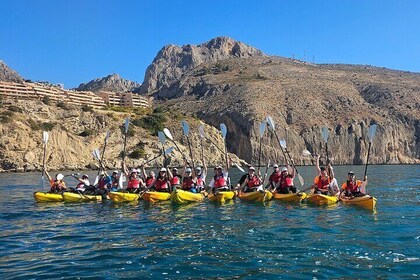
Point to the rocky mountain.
(109, 83)
(172, 61)
(9, 75)
(302, 98)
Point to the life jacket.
(175, 181)
(322, 183)
(133, 184)
(253, 182)
(114, 181)
(81, 186)
(352, 186)
(200, 182)
(219, 181)
(187, 183)
(149, 181)
(57, 186)
(286, 182)
(275, 177)
(102, 184)
(161, 184)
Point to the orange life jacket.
(253, 182)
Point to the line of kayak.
(181, 197)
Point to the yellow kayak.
(290, 197)
(181, 197)
(48, 197)
(321, 199)
(124, 196)
(221, 197)
(367, 201)
(76, 197)
(257, 196)
(156, 196)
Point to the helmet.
(85, 176)
(188, 170)
(284, 169)
(59, 176)
(163, 169)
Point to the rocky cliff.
(109, 83)
(172, 62)
(302, 98)
(74, 133)
(9, 75)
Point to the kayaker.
(252, 181)
(175, 178)
(353, 187)
(57, 185)
(189, 180)
(148, 179)
(161, 183)
(285, 184)
(242, 179)
(83, 183)
(115, 178)
(219, 181)
(201, 177)
(135, 183)
(324, 178)
(102, 188)
(274, 179)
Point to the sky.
(72, 42)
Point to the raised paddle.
(162, 141)
(223, 129)
(325, 134)
(97, 156)
(44, 142)
(126, 124)
(262, 129)
(371, 135)
(202, 136)
(283, 144)
(271, 125)
(186, 130)
(169, 135)
(103, 149)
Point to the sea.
(236, 240)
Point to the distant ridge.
(111, 82)
(7, 74)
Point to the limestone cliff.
(9, 75)
(109, 83)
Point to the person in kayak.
(324, 178)
(242, 179)
(189, 180)
(285, 184)
(57, 185)
(102, 188)
(352, 187)
(201, 177)
(114, 183)
(220, 181)
(252, 181)
(174, 178)
(83, 184)
(274, 179)
(161, 182)
(135, 183)
(148, 179)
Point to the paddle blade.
(270, 122)
(107, 136)
(97, 154)
(162, 138)
(239, 167)
(262, 128)
(201, 131)
(372, 132)
(325, 133)
(301, 181)
(223, 129)
(282, 143)
(121, 181)
(42, 182)
(168, 134)
(44, 137)
(96, 181)
(185, 128)
(169, 150)
(306, 153)
(127, 123)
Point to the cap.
(350, 173)
(115, 171)
(219, 167)
(198, 168)
(85, 176)
(275, 166)
(133, 170)
(163, 169)
(60, 176)
(102, 173)
(188, 170)
(284, 169)
(252, 168)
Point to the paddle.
(169, 135)
(262, 129)
(123, 177)
(223, 129)
(162, 141)
(371, 135)
(97, 156)
(265, 174)
(202, 136)
(270, 124)
(103, 149)
(325, 134)
(186, 130)
(283, 144)
(44, 141)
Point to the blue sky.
(71, 42)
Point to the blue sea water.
(205, 240)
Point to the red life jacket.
(175, 181)
(133, 184)
(161, 184)
(286, 181)
(57, 186)
(275, 177)
(149, 181)
(352, 186)
(323, 182)
(187, 183)
(219, 181)
(254, 181)
(101, 184)
(200, 182)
